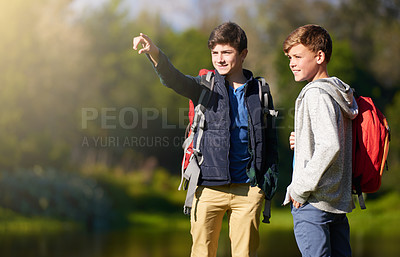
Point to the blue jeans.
(319, 233)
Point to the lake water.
(146, 243)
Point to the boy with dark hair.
(320, 191)
(238, 156)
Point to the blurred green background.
(90, 139)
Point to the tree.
(39, 79)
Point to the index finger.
(136, 41)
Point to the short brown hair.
(314, 37)
(228, 33)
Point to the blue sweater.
(239, 154)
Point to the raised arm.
(171, 77)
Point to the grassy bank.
(11, 222)
(380, 217)
(42, 201)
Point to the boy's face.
(227, 60)
(304, 64)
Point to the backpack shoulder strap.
(269, 118)
(199, 116)
(207, 81)
(266, 97)
(191, 174)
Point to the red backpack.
(371, 136)
(192, 158)
(189, 150)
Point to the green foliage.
(15, 223)
(39, 79)
(47, 200)
(103, 199)
(391, 178)
(61, 195)
(63, 64)
(380, 217)
(342, 63)
(138, 192)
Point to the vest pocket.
(215, 150)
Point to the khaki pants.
(243, 205)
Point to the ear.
(243, 54)
(320, 57)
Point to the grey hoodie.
(323, 146)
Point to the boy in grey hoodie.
(320, 191)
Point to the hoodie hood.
(338, 90)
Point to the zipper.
(227, 101)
